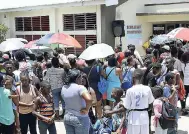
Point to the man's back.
(138, 98)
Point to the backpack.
(127, 79)
(169, 115)
(104, 127)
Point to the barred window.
(36, 23)
(29, 37)
(85, 21)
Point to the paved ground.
(183, 124)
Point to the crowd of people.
(117, 94)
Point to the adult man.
(135, 53)
(137, 101)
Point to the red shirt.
(121, 56)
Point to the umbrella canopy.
(180, 33)
(19, 39)
(58, 38)
(97, 51)
(161, 39)
(31, 44)
(10, 45)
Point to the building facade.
(83, 22)
(154, 17)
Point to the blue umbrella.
(161, 39)
(44, 40)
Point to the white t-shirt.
(185, 69)
(138, 97)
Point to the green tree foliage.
(3, 32)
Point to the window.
(86, 21)
(83, 40)
(29, 37)
(37, 23)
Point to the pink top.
(157, 105)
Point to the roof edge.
(70, 4)
(171, 3)
(166, 13)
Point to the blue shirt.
(99, 123)
(167, 93)
(6, 111)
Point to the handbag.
(103, 84)
(127, 79)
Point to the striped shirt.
(46, 108)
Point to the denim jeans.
(75, 124)
(173, 130)
(43, 127)
(56, 93)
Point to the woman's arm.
(177, 81)
(119, 73)
(25, 104)
(103, 73)
(15, 98)
(88, 99)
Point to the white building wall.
(127, 12)
(56, 20)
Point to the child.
(157, 105)
(171, 93)
(46, 116)
(119, 118)
(104, 125)
(7, 118)
(8, 83)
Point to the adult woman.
(114, 75)
(77, 104)
(27, 94)
(93, 73)
(54, 76)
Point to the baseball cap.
(166, 47)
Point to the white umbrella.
(97, 51)
(19, 39)
(10, 45)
